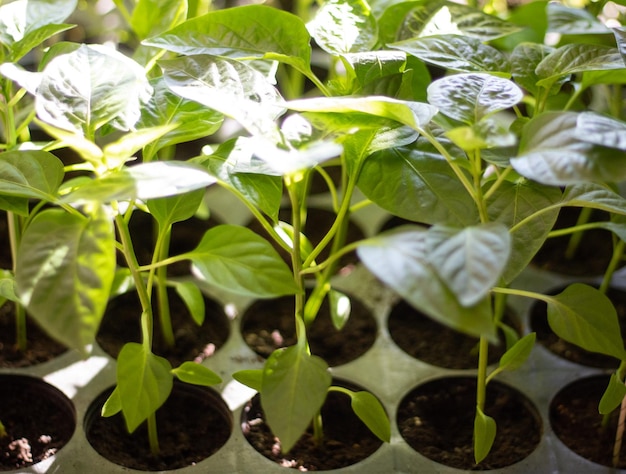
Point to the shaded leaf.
(30, 174)
(612, 396)
(484, 435)
(573, 21)
(193, 299)
(371, 412)
(515, 357)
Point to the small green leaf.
(484, 435)
(144, 382)
(586, 317)
(294, 388)
(177, 208)
(371, 412)
(252, 378)
(236, 259)
(196, 374)
(30, 174)
(339, 308)
(122, 150)
(515, 357)
(612, 396)
(113, 404)
(193, 299)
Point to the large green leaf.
(253, 31)
(294, 388)
(25, 24)
(414, 114)
(344, 26)
(576, 57)
(30, 174)
(400, 260)
(602, 130)
(470, 260)
(144, 383)
(595, 196)
(434, 17)
(457, 53)
(228, 86)
(573, 21)
(89, 87)
(586, 317)
(514, 202)
(552, 151)
(471, 97)
(416, 186)
(65, 268)
(151, 17)
(193, 119)
(236, 259)
(263, 191)
(143, 181)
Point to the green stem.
(15, 236)
(618, 253)
(574, 241)
(318, 429)
(481, 378)
(161, 251)
(153, 437)
(296, 256)
(575, 229)
(9, 114)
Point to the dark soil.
(193, 424)
(437, 420)
(186, 236)
(432, 342)
(122, 324)
(346, 438)
(38, 418)
(318, 223)
(575, 420)
(41, 348)
(571, 352)
(592, 256)
(269, 324)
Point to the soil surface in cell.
(39, 420)
(346, 439)
(575, 420)
(122, 323)
(193, 424)
(437, 420)
(269, 324)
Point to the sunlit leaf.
(196, 374)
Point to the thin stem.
(161, 251)
(318, 429)
(496, 184)
(575, 229)
(481, 382)
(618, 253)
(153, 437)
(574, 241)
(296, 256)
(15, 235)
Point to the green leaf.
(595, 196)
(144, 382)
(19, 206)
(612, 396)
(573, 21)
(7, 286)
(620, 37)
(196, 374)
(344, 26)
(251, 31)
(602, 130)
(89, 87)
(400, 260)
(434, 17)
(515, 357)
(25, 24)
(417, 186)
(193, 119)
(228, 86)
(457, 53)
(414, 114)
(511, 204)
(122, 150)
(484, 435)
(30, 174)
(472, 97)
(65, 268)
(177, 208)
(193, 299)
(236, 259)
(294, 388)
(524, 61)
(144, 181)
(261, 190)
(371, 412)
(575, 57)
(469, 260)
(372, 65)
(586, 317)
(113, 404)
(340, 308)
(252, 378)
(151, 17)
(552, 151)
